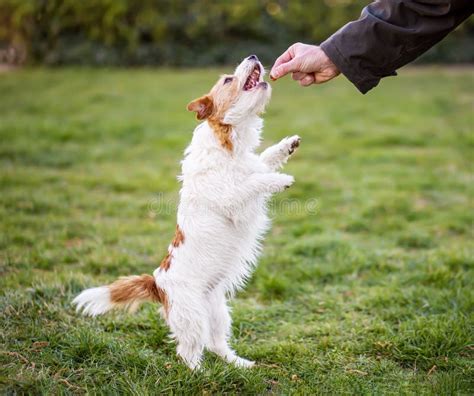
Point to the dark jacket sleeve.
(390, 34)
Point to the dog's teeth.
(253, 79)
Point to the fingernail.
(272, 77)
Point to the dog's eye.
(228, 80)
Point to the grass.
(366, 281)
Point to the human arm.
(388, 35)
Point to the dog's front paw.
(279, 182)
(291, 143)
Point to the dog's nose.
(253, 57)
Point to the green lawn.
(366, 281)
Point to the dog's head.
(235, 97)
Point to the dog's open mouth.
(253, 79)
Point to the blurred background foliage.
(180, 32)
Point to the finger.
(287, 56)
(298, 75)
(283, 58)
(322, 78)
(308, 80)
(285, 68)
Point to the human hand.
(307, 63)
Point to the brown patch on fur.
(222, 132)
(131, 290)
(178, 237)
(176, 242)
(166, 262)
(214, 105)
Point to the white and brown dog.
(222, 218)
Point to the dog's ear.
(203, 107)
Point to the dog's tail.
(126, 292)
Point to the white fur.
(93, 302)
(223, 216)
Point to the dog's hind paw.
(244, 363)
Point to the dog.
(222, 219)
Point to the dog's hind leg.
(220, 329)
(189, 323)
(276, 156)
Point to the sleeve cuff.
(362, 82)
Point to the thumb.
(285, 68)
